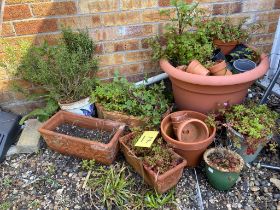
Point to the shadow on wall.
(27, 22)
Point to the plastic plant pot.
(220, 178)
(218, 55)
(243, 65)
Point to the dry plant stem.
(86, 180)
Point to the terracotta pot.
(129, 120)
(183, 67)
(202, 94)
(226, 47)
(79, 147)
(161, 183)
(228, 73)
(219, 69)
(195, 67)
(193, 151)
(192, 130)
(177, 118)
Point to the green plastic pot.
(219, 178)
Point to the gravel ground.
(49, 180)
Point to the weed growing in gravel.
(112, 186)
(51, 169)
(5, 206)
(88, 164)
(34, 204)
(158, 201)
(7, 182)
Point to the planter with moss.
(159, 165)
(83, 137)
(223, 167)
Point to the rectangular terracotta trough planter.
(79, 147)
(161, 183)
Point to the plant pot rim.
(181, 143)
(243, 60)
(44, 130)
(245, 77)
(233, 42)
(212, 150)
(183, 124)
(161, 176)
(75, 104)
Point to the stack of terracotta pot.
(188, 134)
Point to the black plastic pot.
(218, 55)
(241, 51)
(243, 65)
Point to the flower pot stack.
(188, 134)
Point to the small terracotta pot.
(195, 67)
(219, 69)
(193, 151)
(177, 118)
(183, 67)
(161, 183)
(226, 47)
(80, 147)
(192, 130)
(228, 73)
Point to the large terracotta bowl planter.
(161, 183)
(79, 147)
(204, 93)
(192, 151)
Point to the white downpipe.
(275, 52)
(152, 80)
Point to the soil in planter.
(85, 133)
(158, 157)
(224, 160)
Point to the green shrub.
(122, 96)
(65, 70)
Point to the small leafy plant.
(256, 123)
(158, 201)
(158, 157)
(122, 96)
(179, 44)
(226, 31)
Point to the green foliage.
(112, 186)
(13, 55)
(226, 31)
(122, 96)
(186, 15)
(158, 201)
(179, 45)
(88, 164)
(256, 123)
(158, 157)
(6, 182)
(5, 205)
(43, 113)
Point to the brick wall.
(120, 28)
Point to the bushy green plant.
(179, 45)
(256, 123)
(64, 70)
(226, 31)
(158, 201)
(122, 96)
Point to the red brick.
(7, 30)
(93, 6)
(102, 73)
(121, 18)
(16, 12)
(22, 1)
(130, 69)
(166, 3)
(121, 46)
(54, 8)
(154, 16)
(138, 56)
(272, 27)
(227, 8)
(136, 31)
(269, 16)
(111, 59)
(137, 4)
(80, 22)
(35, 26)
(151, 67)
(277, 4)
(51, 39)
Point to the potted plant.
(191, 91)
(65, 71)
(191, 151)
(226, 35)
(136, 106)
(159, 166)
(82, 136)
(250, 127)
(223, 167)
